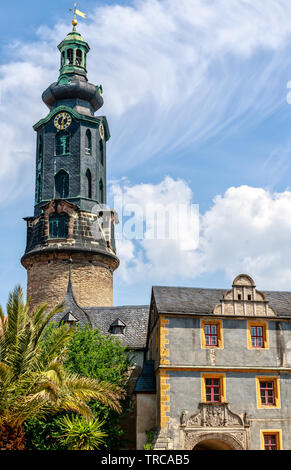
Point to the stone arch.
(223, 441)
(62, 184)
(58, 207)
(243, 279)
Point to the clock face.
(101, 131)
(63, 121)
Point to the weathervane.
(76, 12)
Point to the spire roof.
(71, 307)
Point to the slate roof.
(72, 308)
(146, 383)
(202, 301)
(134, 317)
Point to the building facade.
(218, 369)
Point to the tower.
(71, 222)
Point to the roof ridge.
(116, 307)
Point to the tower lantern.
(74, 52)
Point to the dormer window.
(70, 320)
(117, 328)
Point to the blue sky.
(195, 95)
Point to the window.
(70, 57)
(271, 440)
(258, 335)
(62, 143)
(59, 224)
(211, 333)
(213, 388)
(62, 184)
(101, 189)
(117, 330)
(88, 142)
(101, 148)
(239, 296)
(89, 184)
(40, 146)
(268, 392)
(117, 327)
(38, 191)
(249, 297)
(63, 59)
(78, 57)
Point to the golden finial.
(76, 12)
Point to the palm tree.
(33, 381)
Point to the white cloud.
(173, 73)
(246, 230)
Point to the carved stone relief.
(215, 421)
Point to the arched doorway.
(214, 441)
(213, 444)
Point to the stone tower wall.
(92, 278)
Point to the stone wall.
(92, 278)
(146, 417)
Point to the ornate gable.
(244, 300)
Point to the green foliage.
(44, 434)
(34, 383)
(148, 446)
(96, 356)
(81, 434)
(150, 439)
(101, 356)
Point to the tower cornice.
(76, 115)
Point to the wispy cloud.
(174, 74)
